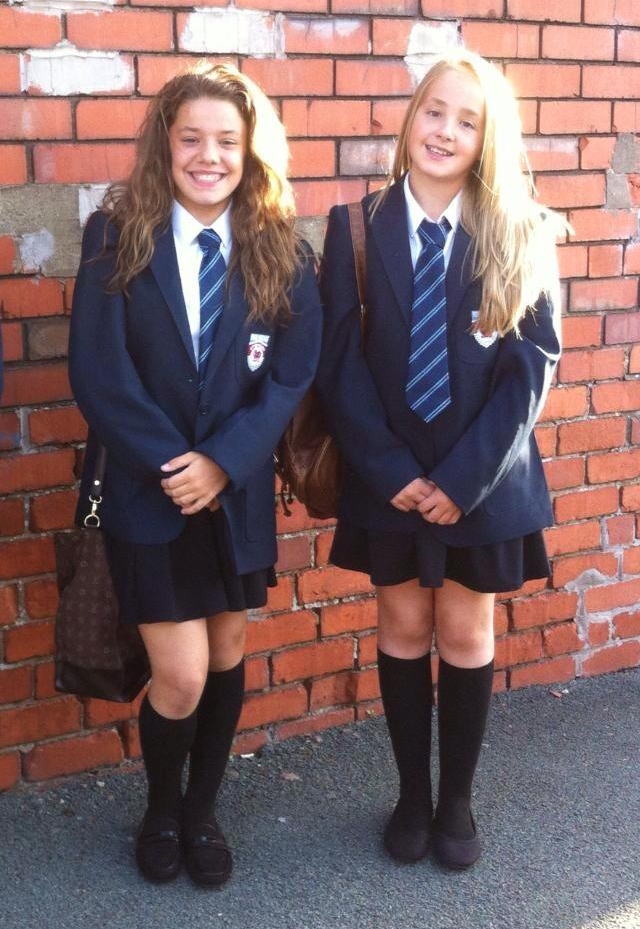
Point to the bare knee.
(176, 692)
(404, 637)
(227, 634)
(178, 653)
(405, 621)
(464, 626)
(465, 648)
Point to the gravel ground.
(557, 803)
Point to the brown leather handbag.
(307, 458)
(95, 654)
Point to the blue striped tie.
(211, 279)
(427, 389)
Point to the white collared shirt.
(415, 215)
(185, 235)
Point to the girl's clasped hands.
(432, 503)
(194, 483)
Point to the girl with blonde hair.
(444, 499)
(195, 331)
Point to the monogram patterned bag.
(95, 654)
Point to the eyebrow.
(199, 129)
(444, 103)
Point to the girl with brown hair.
(195, 332)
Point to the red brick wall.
(72, 92)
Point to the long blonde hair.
(513, 235)
(266, 247)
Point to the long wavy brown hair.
(514, 237)
(266, 248)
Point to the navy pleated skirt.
(189, 578)
(395, 557)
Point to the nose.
(209, 150)
(447, 129)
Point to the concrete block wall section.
(75, 79)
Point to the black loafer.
(158, 848)
(407, 834)
(208, 857)
(456, 854)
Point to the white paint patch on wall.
(558, 144)
(64, 70)
(426, 40)
(371, 156)
(35, 248)
(89, 199)
(346, 27)
(326, 31)
(230, 31)
(56, 6)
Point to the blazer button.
(204, 410)
(189, 380)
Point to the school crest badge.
(256, 350)
(484, 340)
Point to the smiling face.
(208, 143)
(446, 134)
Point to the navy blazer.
(134, 376)
(481, 450)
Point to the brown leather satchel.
(95, 654)
(307, 458)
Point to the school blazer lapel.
(164, 267)
(389, 228)
(458, 276)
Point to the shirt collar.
(415, 213)
(186, 227)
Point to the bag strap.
(356, 222)
(92, 519)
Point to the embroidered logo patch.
(256, 350)
(484, 340)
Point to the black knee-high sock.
(218, 714)
(463, 705)
(406, 689)
(165, 746)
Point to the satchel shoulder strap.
(356, 222)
